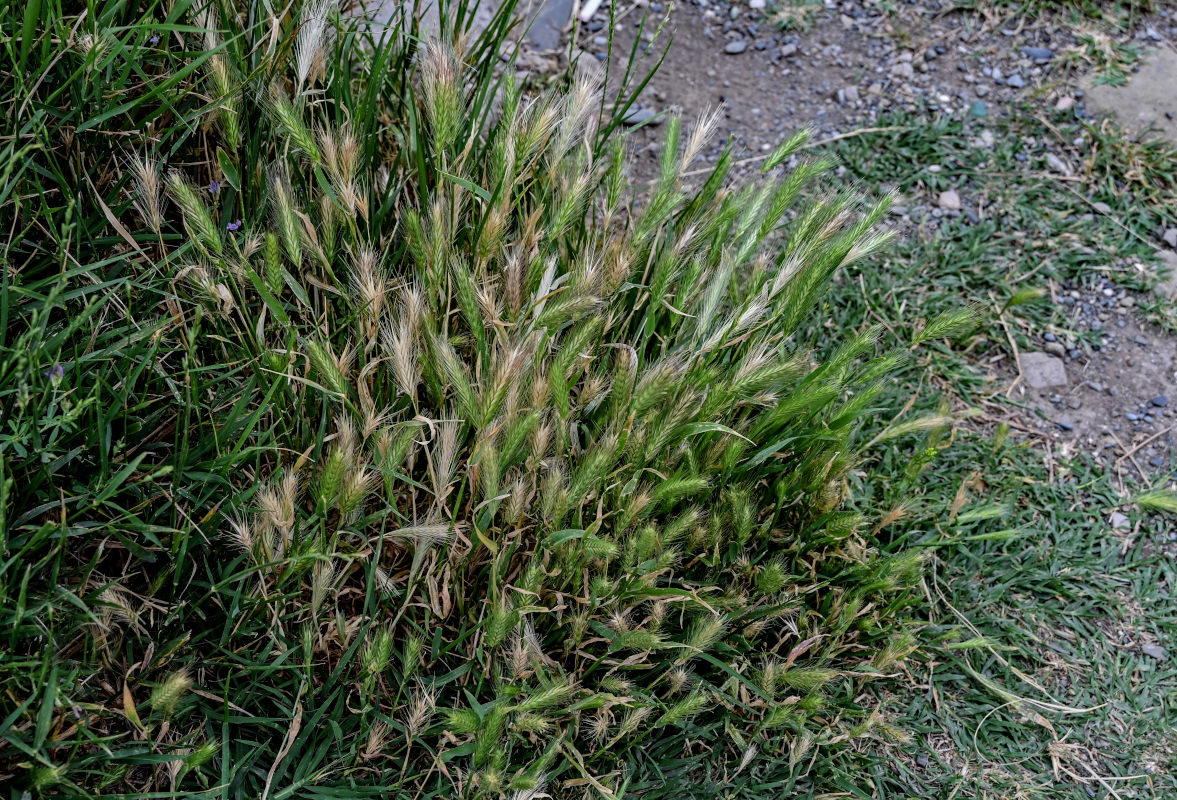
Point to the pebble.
(1102, 208)
(978, 109)
(1154, 651)
(1170, 238)
(1065, 425)
(903, 69)
(1064, 103)
(1119, 521)
(1040, 54)
(950, 200)
(641, 115)
(757, 5)
(1016, 81)
(788, 49)
(1043, 371)
(1055, 349)
(1160, 401)
(1057, 164)
(736, 47)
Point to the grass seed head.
(166, 696)
(147, 194)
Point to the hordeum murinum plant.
(511, 486)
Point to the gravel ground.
(856, 61)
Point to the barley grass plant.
(362, 435)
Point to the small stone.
(903, 69)
(978, 109)
(1065, 425)
(1119, 521)
(1160, 401)
(788, 49)
(757, 5)
(1057, 164)
(851, 94)
(1055, 349)
(1015, 81)
(1158, 461)
(642, 115)
(921, 760)
(1154, 651)
(1102, 208)
(1170, 238)
(1038, 53)
(736, 47)
(950, 200)
(1042, 371)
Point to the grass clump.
(367, 438)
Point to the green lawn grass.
(1039, 679)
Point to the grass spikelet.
(806, 680)
(166, 696)
(313, 34)
(197, 219)
(290, 121)
(684, 709)
(330, 368)
(950, 324)
(443, 102)
(547, 697)
(285, 214)
(147, 194)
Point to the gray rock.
(1102, 208)
(1170, 238)
(736, 47)
(1154, 651)
(642, 115)
(1038, 53)
(1057, 164)
(903, 69)
(1160, 401)
(788, 49)
(1119, 521)
(1015, 81)
(757, 5)
(1055, 349)
(950, 200)
(1042, 371)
